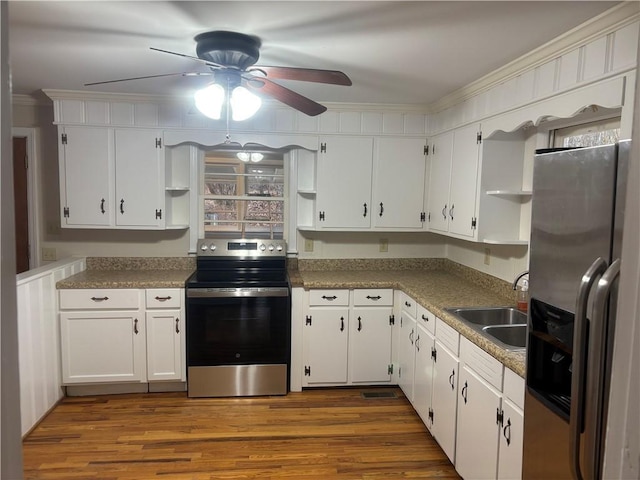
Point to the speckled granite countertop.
(132, 272)
(436, 284)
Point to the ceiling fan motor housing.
(230, 49)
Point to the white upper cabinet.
(398, 182)
(344, 182)
(139, 178)
(86, 156)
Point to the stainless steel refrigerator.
(576, 236)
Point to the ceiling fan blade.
(183, 74)
(206, 62)
(332, 77)
(284, 95)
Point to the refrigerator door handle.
(596, 371)
(579, 363)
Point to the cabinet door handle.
(377, 297)
(135, 326)
(342, 324)
(102, 206)
(451, 211)
(418, 343)
(407, 304)
(463, 392)
(177, 325)
(411, 336)
(506, 431)
(99, 299)
(452, 379)
(381, 208)
(444, 211)
(122, 205)
(163, 299)
(425, 318)
(331, 298)
(359, 323)
(365, 210)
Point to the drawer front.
(100, 299)
(482, 363)
(408, 305)
(513, 387)
(329, 297)
(373, 297)
(164, 297)
(448, 336)
(426, 319)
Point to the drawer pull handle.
(122, 205)
(359, 323)
(102, 206)
(425, 318)
(407, 304)
(177, 325)
(377, 297)
(163, 299)
(135, 326)
(342, 324)
(332, 298)
(99, 299)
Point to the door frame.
(33, 176)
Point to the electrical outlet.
(49, 254)
(487, 256)
(308, 245)
(384, 245)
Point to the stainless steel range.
(238, 319)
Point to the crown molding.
(28, 100)
(607, 22)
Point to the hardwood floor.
(317, 434)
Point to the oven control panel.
(217, 247)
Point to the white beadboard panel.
(191, 118)
(545, 79)
(329, 122)
(625, 47)
(284, 120)
(392, 123)
(169, 115)
(415, 124)
(525, 87)
(509, 93)
(305, 123)
(72, 111)
(122, 113)
(350, 122)
(145, 114)
(96, 112)
(478, 105)
(371, 123)
(595, 59)
(569, 65)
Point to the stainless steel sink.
(490, 315)
(512, 335)
(505, 326)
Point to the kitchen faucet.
(515, 282)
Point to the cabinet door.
(370, 345)
(139, 178)
(439, 180)
(510, 449)
(423, 376)
(100, 347)
(344, 183)
(86, 177)
(444, 400)
(406, 354)
(164, 341)
(477, 436)
(325, 338)
(398, 188)
(464, 177)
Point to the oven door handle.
(237, 292)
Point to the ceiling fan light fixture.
(244, 104)
(209, 100)
(253, 157)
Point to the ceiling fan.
(231, 58)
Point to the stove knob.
(271, 248)
(203, 248)
(279, 248)
(212, 247)
(262, 247)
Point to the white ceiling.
(395, 52)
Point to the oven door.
(237, 340)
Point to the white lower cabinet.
(423, 375)
(326, 342)
(406, 346)
(370, 345)
(165, 337)
(510, 445)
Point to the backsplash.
(141, 263)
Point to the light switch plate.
(49, 254)
(487, 256)
(308, 245)
(384, 245)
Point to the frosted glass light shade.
(209, 100)
(244, 104)
(253, 157)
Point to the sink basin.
(511, 335)
(485, 316)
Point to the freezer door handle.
(579, 363)
(596, 371)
